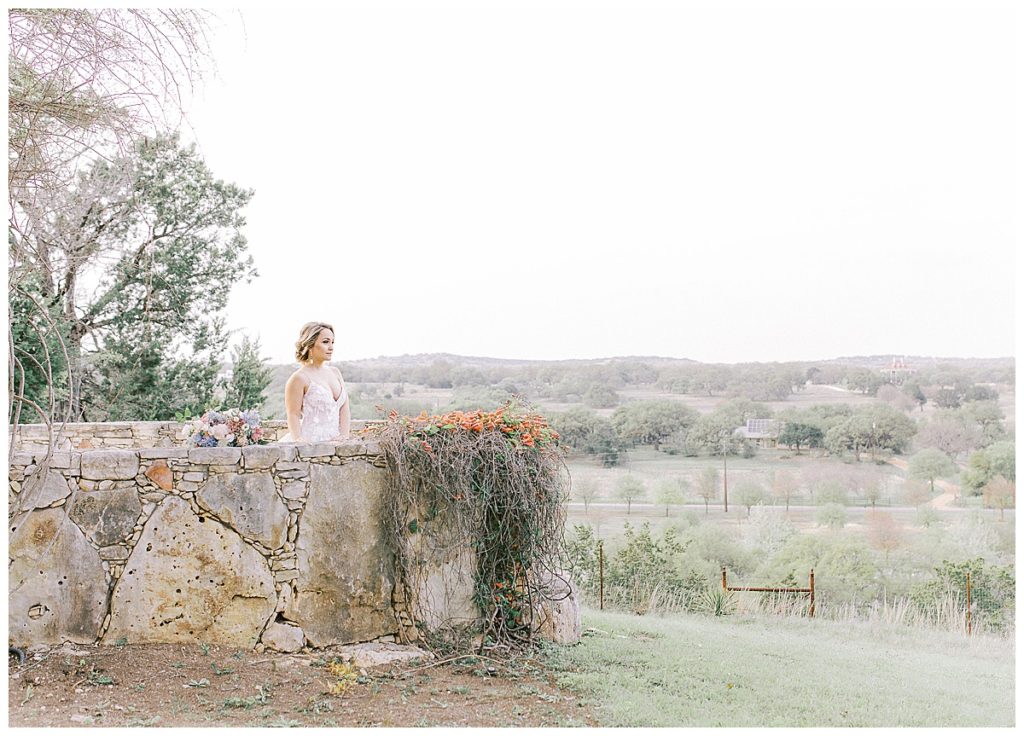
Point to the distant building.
(899, 371)
(762, 432)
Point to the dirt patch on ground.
(196, 685)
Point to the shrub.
(992, 592)
(492, 480)
(832, 515)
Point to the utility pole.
(725, 481)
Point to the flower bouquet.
(230, 428)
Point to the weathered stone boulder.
(191, 579)
(215, 455)
(56, 586)
(345, 578)
(442, 584)
(260, 457)
(42, 489)
(381, 654)
(106, 517)
(559, 617)
(283, 637)
(248, 504)
(110, 465)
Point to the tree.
(916, 394)
(83, 85)
(717, 435)
(929, 464)
(600, 396)
(749, 493)
(651, 422)
(832, 515)
(999, 493)
(915, 492)
(137, 376)
(795, 434)
(873, 488)
(670, 492)
(864, 380)
(629, 488)
(171, 233)
(84, 80)
(784, 486)
(707, 486)
(896, 397)
(978, 392)
(884, 533)
(987, 418)
(950, 432)
(832, 491)
(998, 459)
(872, 429)
(586, 491)
(584, 431)
(250, 376)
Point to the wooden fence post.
(725, 586)
(600, 560)
(968, 603)
(810, 613)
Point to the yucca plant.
(718, 601)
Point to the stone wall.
(122, 435)
(276, 545)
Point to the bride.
(315, 398)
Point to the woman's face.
(323, 348)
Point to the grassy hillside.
(690, 670)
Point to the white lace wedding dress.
(319, 420)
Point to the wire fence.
(966, 598)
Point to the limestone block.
(163, 453)
(283, 638)
(315, 449)
(190, 580)
(42, 489)
(215, 455)
(57, 590)
(350, 447)
(21, 459)
(192, 476)
(110, 465)
(66, 460)
(160, 474)
(248, 504)
(114, 431)
(371, 447)
(380, 653)
(293, 491)
(559, 618)
(107, 517)
(345, 578)
(260, 457)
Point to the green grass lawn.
(691, 670)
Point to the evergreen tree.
(250, 376)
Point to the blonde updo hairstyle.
(307, 339)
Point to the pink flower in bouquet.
(219, 431)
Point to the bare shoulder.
(338, 371)
(298, 378)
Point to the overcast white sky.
(734, 183)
